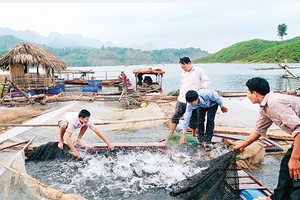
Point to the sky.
(207, 24)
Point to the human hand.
(294, 168)
(224, 109)
(61, 145)
(239, 147)
(76, 154)
(111, 147)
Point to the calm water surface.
(224, 77)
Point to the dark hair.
(191, 95)
(259, 85)
(84, 113)
(184, 60)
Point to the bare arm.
(294, 163)
(250, 139)
(109, 145)
(70, 144)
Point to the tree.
(282, 30)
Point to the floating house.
(21, 58)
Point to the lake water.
(224, 77)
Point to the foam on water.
(120, 176)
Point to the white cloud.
(210, 25)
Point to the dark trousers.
(287, 188)
(210, 124)
(179, 112)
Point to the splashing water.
(122, 175)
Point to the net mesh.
(218, 181)
(15, 183)
(49, 151)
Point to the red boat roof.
(148, 71)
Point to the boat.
(107, 82)
(148, 80)
(87, 77)
(232, 94)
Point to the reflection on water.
(121, 175)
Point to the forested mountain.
(104, 56)
(257, 51)
(252, 51)
(8, 42)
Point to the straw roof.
(32, 55)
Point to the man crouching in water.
(73, 120)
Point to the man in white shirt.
(73, 120)
(192, 78)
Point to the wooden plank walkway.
(246, 181)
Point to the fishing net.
(218, 181)
(49, 151)
(15, 183)
(173, 140)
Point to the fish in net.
(218, 181)
(49, 151)
(15, 183)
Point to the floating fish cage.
(130, 172)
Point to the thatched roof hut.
(19, 59)
(32, 55)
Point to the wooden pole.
(13, 145)
(8, 89)
(96, 123)
(286, 68)
(25, 95)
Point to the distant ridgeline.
(106, 56)
(257, 51)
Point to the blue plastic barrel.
(54, 90)
(16, 94)
(31, 92)
(89, 89)
(251, 194)
(95, 83)
(61, 85)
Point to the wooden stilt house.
(21, 58)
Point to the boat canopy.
(149, 71)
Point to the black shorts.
(179, 112)
(59, 123)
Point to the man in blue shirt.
(206, 101)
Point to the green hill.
(7, 42)
(257, 51)
(109, 56)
